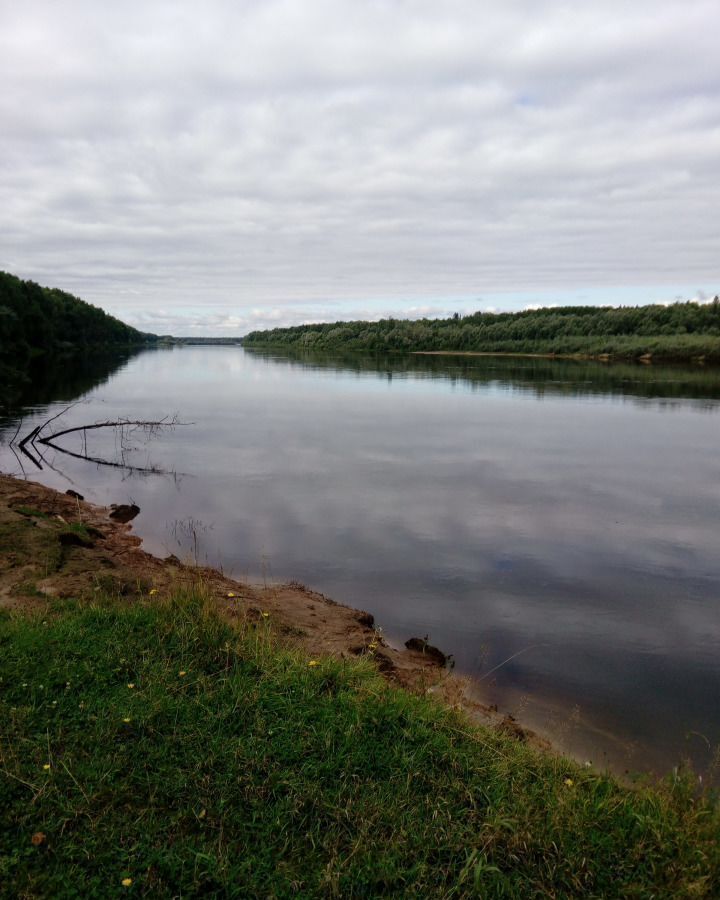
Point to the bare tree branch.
(31, 437)
(22, 467)
(152, 427)
(26, 452)
(17, 432)
(98, 460)
(54, 468)
(57, 416)
(122, 427)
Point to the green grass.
(31, 512)
(79, 529)
(76, 533)
(255, 774)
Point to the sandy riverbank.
(53, 545)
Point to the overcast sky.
(210, 168)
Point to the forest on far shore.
(675, 332)
(35, 319)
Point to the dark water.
(564, 514)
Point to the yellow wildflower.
(230, 594)
(127, 721)
(313, 662)
(131, 686)
(569, 782)
(46, 767)
(153, 591)
(182, 673)
(265, 615)
(126, 882)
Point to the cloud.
(190, 323)
(196, 322)
(288, 154)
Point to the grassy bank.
(148, 749)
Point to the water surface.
(563, 514)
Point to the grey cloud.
(282, 153)
(188, 323)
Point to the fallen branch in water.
(33, 442)
(151, 428)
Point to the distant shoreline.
(679, 332)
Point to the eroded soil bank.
(53, 545)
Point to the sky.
(211, 168)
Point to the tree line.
(676, 331)
(37, 319)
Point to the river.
(553, 525)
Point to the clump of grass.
(78, 528)
(31, 512)
(75, 533)
(150, 749)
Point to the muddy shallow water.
(553, 525)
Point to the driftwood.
(38, 439)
